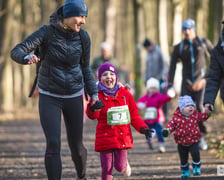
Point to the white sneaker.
(162, 148)
(202, 144)
(127, 171)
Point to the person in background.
(215, 77)
(222, 89)
(184, 124)
(61, 82)
(113, 130)
(156, 67)
(106, 56)
(192, 51)
(155, 62)
(151, 104)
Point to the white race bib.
(118, 115)
(150, 113)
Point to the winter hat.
(147, 43)
(74, 8)
(188, 24)
(184, 101)
(152, 82)
(105, 45)
(106, 67)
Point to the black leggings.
(50, 109)
(184, 153)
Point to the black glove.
(166, 132)
(98, 105)
(148, 132)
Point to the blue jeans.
(158, 127)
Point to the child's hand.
(97, 106)
(166, 132)
(149, 133)
(171, 92)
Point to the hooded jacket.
(115, 136)
(155, 65)
(60, 71)
(186, 130)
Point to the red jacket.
(186, 129)
(115, 136)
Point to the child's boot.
(150, 145)
(185, 171)
(196, 168)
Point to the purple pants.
(117, 157)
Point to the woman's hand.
(31, 59)
(208, 108)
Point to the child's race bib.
(118, 115)
(150, 113)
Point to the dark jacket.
(215, 74)
(60, 71)
(183, 54)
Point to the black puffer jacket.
(215, 74)
(60, 71)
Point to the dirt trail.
(22, 149)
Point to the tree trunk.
(163, 37)
(111, 13)
(137, 5)
(201, 17)
(177, 34)
(6, 65)
(214, 19)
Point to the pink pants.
(118, 157)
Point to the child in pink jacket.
(184, 124)
(151, 103)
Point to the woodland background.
(123, 23)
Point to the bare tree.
(137, 5)
(163, 33)
(5, 61)
(110, 23)
(177, 34)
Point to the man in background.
(156, 67)
(192, 52)
(105, 56)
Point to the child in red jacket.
(151, 103)
(113, 131)
(187, 134)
